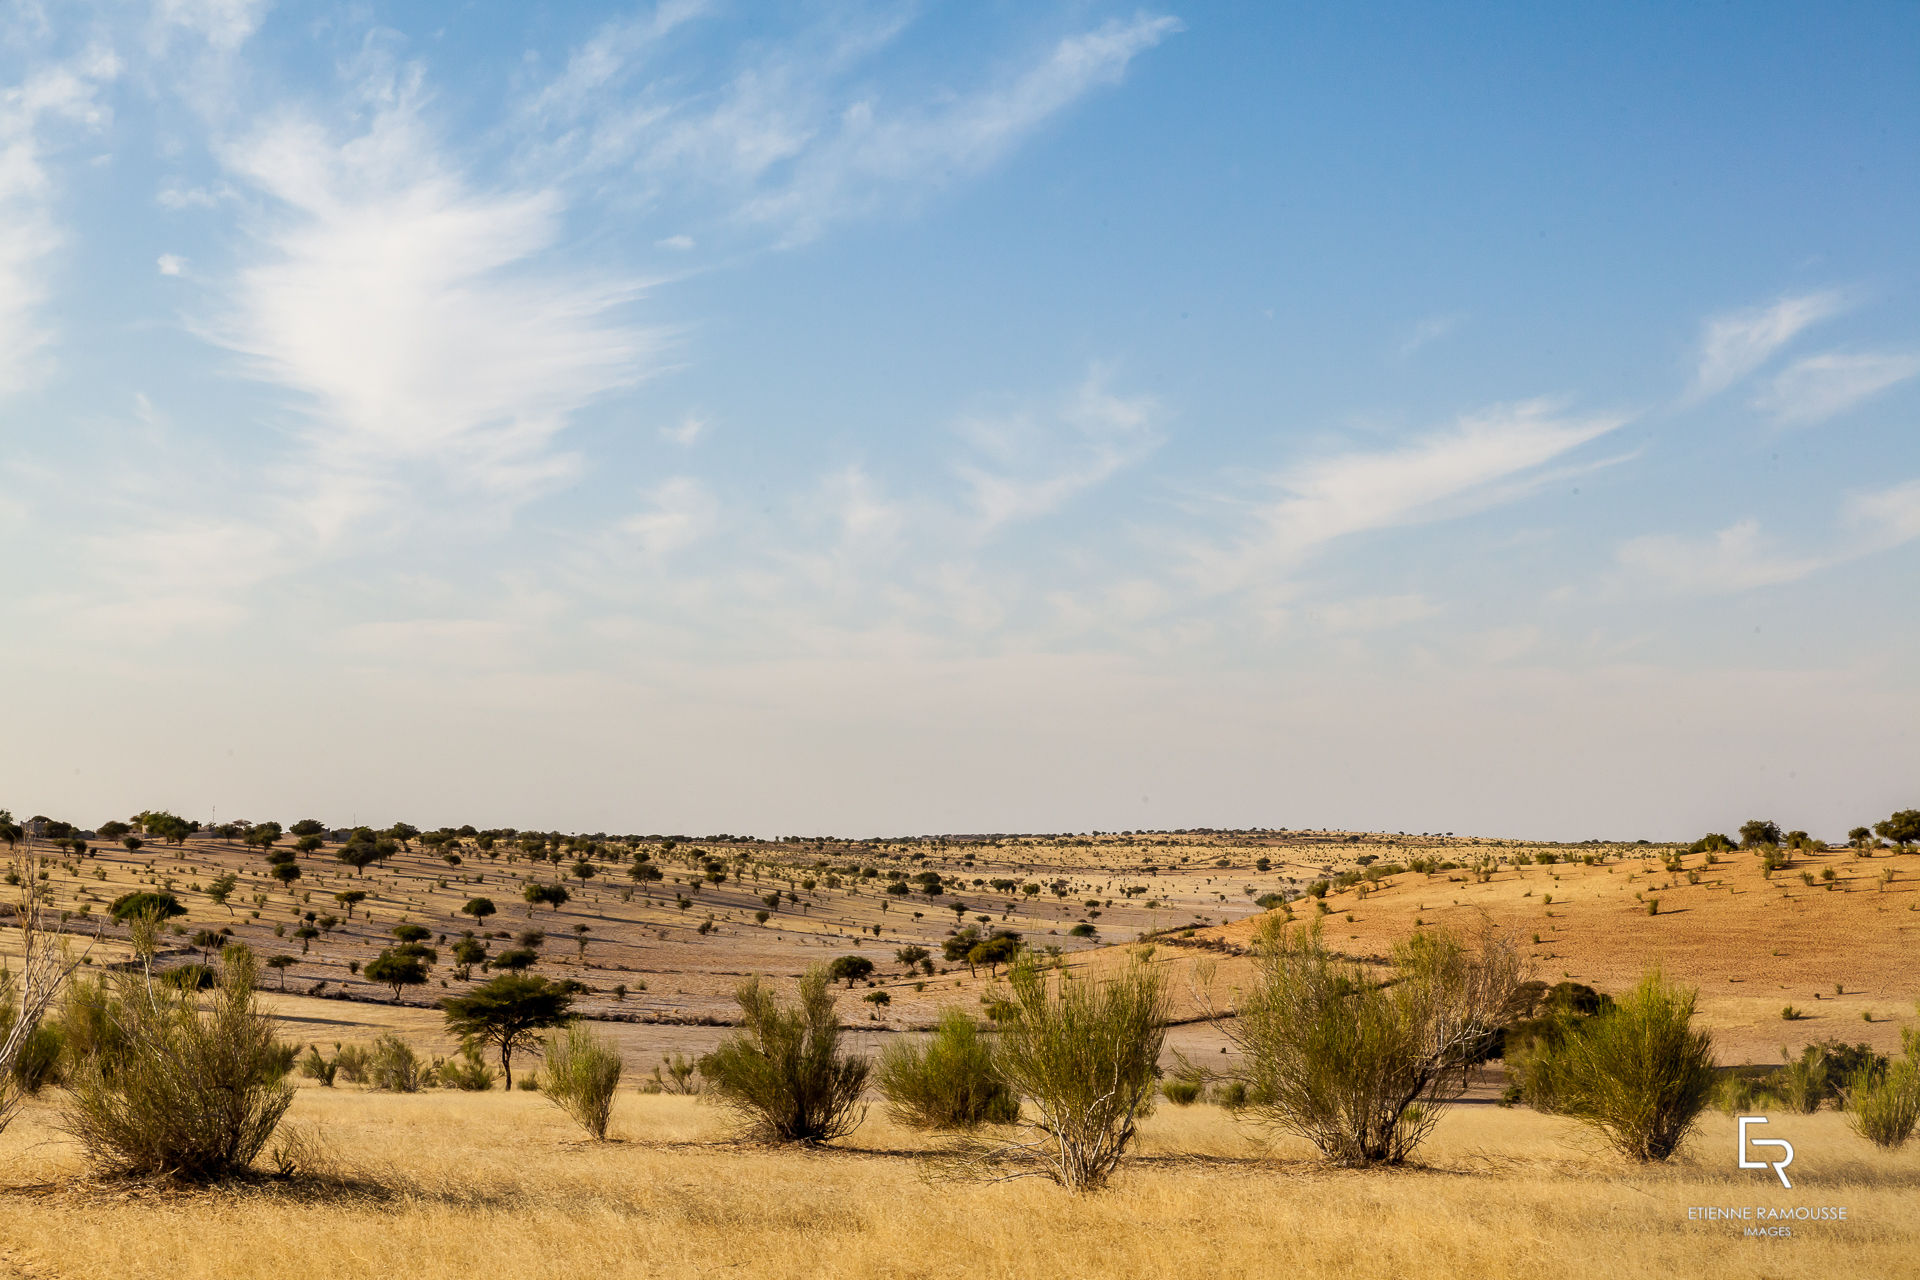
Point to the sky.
(974, 417)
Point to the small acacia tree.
(1085, 1052)
(1361, 1068)
(1638, 1072)
(507, 1012)
(850, 969)
(783, 1071)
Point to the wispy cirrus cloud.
(416, 317)
(1436, 476)
(1032, 463)
(796, 135)
(1819, 387)
(1736, 343)
(870, 153)
(59, 94)
(1742, 557)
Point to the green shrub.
(468, 1072)
(783, 1072)
(1181, 1093)
(180, 1090)
(1358, 1067)
(352, 1061)
(1085, 1052)
(1638, 1072)
(946, 1081)
(1884, 1109)
(582, 1071)
(314, 1066)
(393, 1066)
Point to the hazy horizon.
(936, 418)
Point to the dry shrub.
(177, 1089)
(947, 1080)
(581, 1072)
(1362, 1068)
(1884, 1106)
(468, 1072)
(1638, 1072)
(783, 1072)
(394, 1067)
(1085, 1053)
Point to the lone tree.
(280, 964)
(397, 967)
(478, 908)
(1903, 828)
(850, 969)
(1758, 831)
(222, 889)
(350, 899)
(508, 1011)
(163, 906)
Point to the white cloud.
(868, 151)
(63, 93)
(802, 131)
(1737, 558)
(688, 430)
(224, 24)
(417, 317)
(1737, 343)
(1823, 386)
(1885, 518)
(1741, 558)
(1034, 466)
(679, 512)
(679, 244)
(1437, 476)
(172, 264)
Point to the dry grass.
(501, 1184)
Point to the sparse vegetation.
(783, 1072)
(947, 1080)
(172, 1088)
(1084, 1052)
(579, 1075)
(1361, 1068)
(1638, 1072)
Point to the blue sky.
(905, 418)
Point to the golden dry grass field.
(455, 1186)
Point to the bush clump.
(393, 1067)
(783, 1072)
(581, 1072)
(1884, 1108)
(1085, 1053)
(1638, 1072)
(173, 1088)
(949, 1080)
(1362, 1068)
